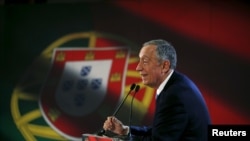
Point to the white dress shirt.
(160, 88)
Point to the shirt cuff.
(126, 130)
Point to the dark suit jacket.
(180, 115)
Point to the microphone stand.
(128, 137)
(131, 107)
(132, 87)
(119, 107)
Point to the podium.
(93, 137)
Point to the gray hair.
(164, 51)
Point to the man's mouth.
(143, 75)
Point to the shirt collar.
(160, 88)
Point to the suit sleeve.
(141, 130)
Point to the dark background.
(211, 38)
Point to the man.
(181, 113)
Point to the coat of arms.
(81, 84)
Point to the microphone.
(132, 87)
(131, 106)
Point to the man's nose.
(138, 67)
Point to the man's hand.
(114, 125)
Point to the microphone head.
(132, 86)
(137, 88)
(101, 132)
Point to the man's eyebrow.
(145, 57)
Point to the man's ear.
(166, 66)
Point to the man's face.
(149, 67)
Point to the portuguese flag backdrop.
(211, 38)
